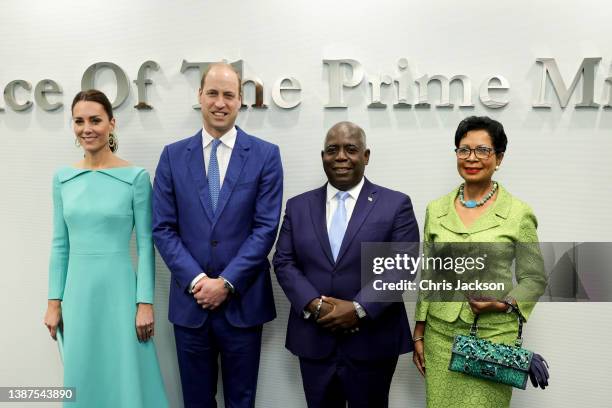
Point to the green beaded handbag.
(481, 358)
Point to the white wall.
(558, 160)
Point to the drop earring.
(112, 142)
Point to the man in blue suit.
(348, 342)
(216, 207)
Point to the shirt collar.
(353, 192)
(228, 139)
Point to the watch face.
(227, 285)
(360, 312)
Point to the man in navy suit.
(216, 207)
(348, 342)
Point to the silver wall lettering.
(259, 88)
(423, 99)
(44, 87)
(586, 70)
(606, 106)
(9, 95)
(338, 80)
(201, 66)
(123, 85)
(277, 96)
(342, 74)
(141, 84)
(486, 86)
(376, 82)
(403, 85)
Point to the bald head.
(348, 128)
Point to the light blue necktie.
(338, 224)
(214, 183)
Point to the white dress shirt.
(224, 150)
(331, 204)
(224, 153)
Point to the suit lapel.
(494, 215)
(318, 216)
(195, 160)
(363, 206)
(450, 220)
(238, 158)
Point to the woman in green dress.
(480, 210)
(102, 307)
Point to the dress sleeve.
(145, 277)
(60, 246)
(530, 274)
(423, 305)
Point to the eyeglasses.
(481, 152)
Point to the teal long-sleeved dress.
(511, 225)
(91, 272)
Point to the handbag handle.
(519, 338)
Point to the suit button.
(214, 242)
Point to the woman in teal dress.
(478, 211)
(100, 305)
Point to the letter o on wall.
(123, 85)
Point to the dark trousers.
(198, 351)
(335, 381)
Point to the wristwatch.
(227, 285)
(359, 310)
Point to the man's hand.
(326, 307)
(210, 293)
(342, 315)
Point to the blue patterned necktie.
(338, 224)
(214, 183)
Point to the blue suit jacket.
(234, 242)
(305, 269)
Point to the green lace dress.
(507, 220)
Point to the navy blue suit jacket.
(234, 242)
(305, 269)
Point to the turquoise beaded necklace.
(473, 203)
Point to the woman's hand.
(484, 305)
(418, 355)
(144, 322)
(53, 317)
